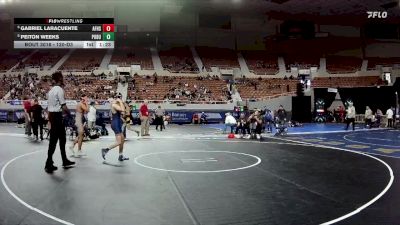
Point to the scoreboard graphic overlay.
(64, 33)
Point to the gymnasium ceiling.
(275, 9)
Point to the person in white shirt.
(368, 117)
(230, 121)
(92, 115)
(56, 107)
(350, 116)
(389, 116)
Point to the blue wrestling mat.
(384, 142)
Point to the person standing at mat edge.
(37, 119)
(56, 107)
(144, 118)
(389, 116)
(117, 111)
(27, 109)
(350, 116)
(160, 118)
(368, 117)
(92, 115)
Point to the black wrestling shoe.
(68, 164)
(50, 169)
(122, 158)
(104, 152)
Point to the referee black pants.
(159, 122)
(352, 121)
(57, 133)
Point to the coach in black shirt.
(37, 119)
(56, 107)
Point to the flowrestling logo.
(377, 14)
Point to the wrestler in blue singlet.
(116, 122)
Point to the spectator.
(268, 120)
(100, 122)
(255, 121)
(281, 114)
(195, 118)
(27, 109)
(378, 117)
(159, 117)
(368, 117)
(144, 118)
(350, 116)
(203, 118)
(92, 115)
(242, 125)
(341, 113)
(37, 119)
(230, 121)
(389, 116)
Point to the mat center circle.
(198, 161)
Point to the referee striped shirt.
(55, 99)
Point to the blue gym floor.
(384, 142)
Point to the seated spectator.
(242, 125)
(255, 123)
(203, 118)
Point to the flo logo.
(377, 14)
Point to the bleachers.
(178, 60)
(307, 53)
(174, 88)
(343, 64)
(256, 89)
(335, 82)
(218, 57)
(26, 86)
(317, 47)
(261, 62)
(375, 61)
(75, 86)
(301, 61)
(5, 85)
(133, 56)
(92, 86)
(43, 58)
(84, 60)
(11, 58)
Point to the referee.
(56, 107)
